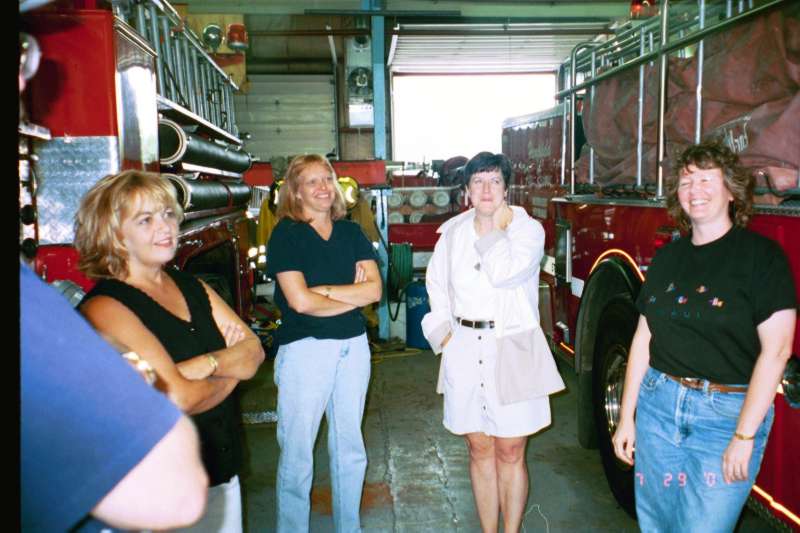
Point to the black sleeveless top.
(220, 439)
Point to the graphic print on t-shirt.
(703, 304)
(681, 299)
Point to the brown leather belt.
(475, 324)
(697, 383)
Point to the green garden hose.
(401, 270)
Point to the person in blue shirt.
(99, 446)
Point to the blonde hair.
(290, 204)
(98, 222)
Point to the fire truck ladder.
(190, 83)
(635, 44)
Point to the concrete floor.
(418, 479)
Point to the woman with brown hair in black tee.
(718, 312)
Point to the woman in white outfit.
(497, 370)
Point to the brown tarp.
(751, 99)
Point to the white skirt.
(471, 404)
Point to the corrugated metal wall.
(288, 115)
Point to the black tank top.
(221, 443)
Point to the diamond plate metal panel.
(67, 167)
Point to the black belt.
(475, 324)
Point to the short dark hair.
(738, 180)
(486, 162)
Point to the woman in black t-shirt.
(718, 317)
(126, 231)
(325, 270)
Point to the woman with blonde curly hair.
(325, 270)
(126, 232)
(718, 313)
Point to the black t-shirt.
(219, 427)
(296, 246)
(704, 303)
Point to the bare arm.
(365, 290)
(166, 490)
(243, 354)
(624, 437)
(303, 300)
(112, 318)
(776, 335)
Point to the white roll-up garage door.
(287, 115)
(485, 48)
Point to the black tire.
(587, 434)
(614, 334)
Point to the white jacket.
(510, 258)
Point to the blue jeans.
(681, 434)
(316, 376)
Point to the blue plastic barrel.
(417, 306)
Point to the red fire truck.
(592, 170)
(125, 85)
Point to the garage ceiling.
(424, 36)
(514, 9)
